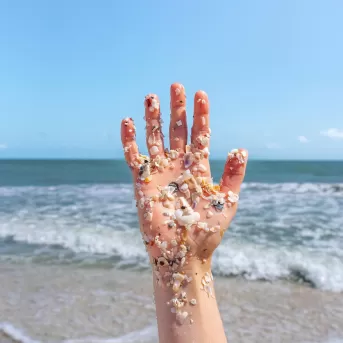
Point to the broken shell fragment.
(193, 302)
(209, 214)
(174, 154)
(176, 285)
(188, 160)
(186, 219)
(233, 197)
(202, 168)
(184, 187)
(181, 317)
(162, 262)
(173, 187)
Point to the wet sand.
(73, 304)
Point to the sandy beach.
(72, 304)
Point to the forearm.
(194, 316)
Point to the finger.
(128, 138)
(154, 136)
(234, 172)
(201, 123)
(178, 120)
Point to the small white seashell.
(176, 285)
(181, 317)
(179, 123)
(148, 216)
(207, 278)
(193, 302)
(173, 154)
(202, 168)
(202, 225)
(173, 242)
(165, 162)
(178, 276)
(232, 197)
(154, 150)
(209, 214)
(186, 219)
(184, 187)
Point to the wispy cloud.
(333, 133)
(303, 139)
(3, 146)
(272, 146)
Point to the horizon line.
(122, 159)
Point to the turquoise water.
(289, 224)
(57, 172)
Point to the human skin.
(182, 215)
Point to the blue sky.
(70, 70)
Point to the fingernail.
(201, 102)
(128, 129)
(177, 95)
(152, 103)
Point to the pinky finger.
(128, 138)
(234, 171)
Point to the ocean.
(78, 218)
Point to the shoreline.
(61, 303)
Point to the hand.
(182, 214)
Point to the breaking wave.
(282, 231)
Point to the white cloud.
(272, 146)
(3, 146)
(303, 139)
(333, 133)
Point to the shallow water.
(72, 262)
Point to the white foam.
(268, 263)
(18, 336)
(280, 231)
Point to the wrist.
(181, 292)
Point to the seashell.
(188, 160)
(162, 262)
(202, 168)
(186, 219)
(173, 187)
(148, 216)
(202, 225)
(181, 317)
(173, 242)
(154, 150)
(184, 187)
(141, 202)
(176, 285)
(174, 154)
(205, 152)
(232, 197)
(197, 155)
(209, 214)
(178, 276)
(144, 171)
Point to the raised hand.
(182, 214)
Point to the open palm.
(182, 214)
